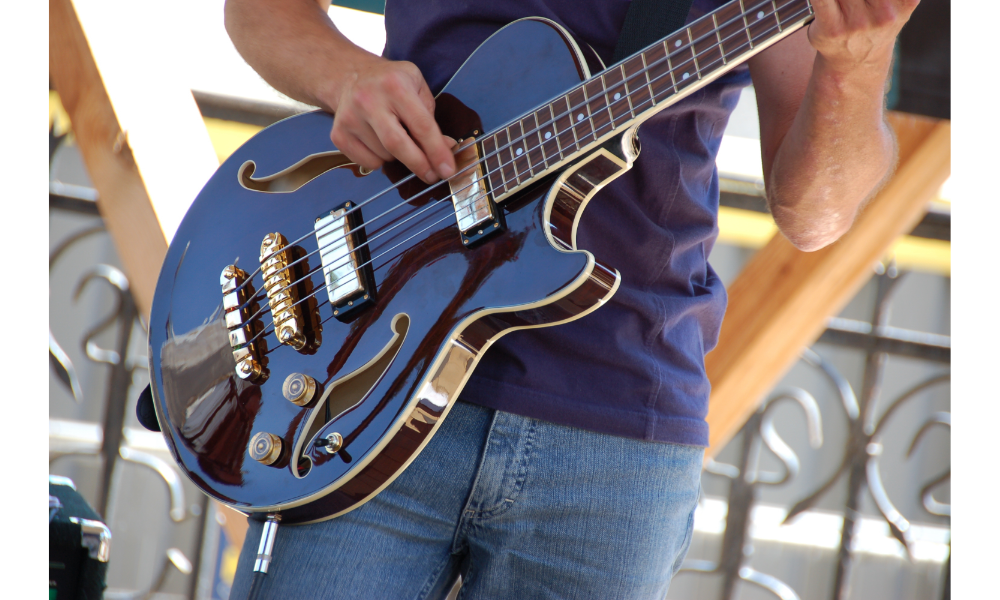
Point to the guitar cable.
(264, 555)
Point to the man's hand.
(384, 110)
(853, 34)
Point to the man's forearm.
(825, 145)
(294, 46)
(383, 109)
(835, 155)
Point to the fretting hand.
(851, 34)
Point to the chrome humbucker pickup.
(347, 269)
(477, 215)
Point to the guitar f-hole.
(346, 393)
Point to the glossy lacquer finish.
(455, 299)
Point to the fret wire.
(646, 66)
(777, 19)
(809, 11)
(524, 149)
(694, 55)
(524, 146)
(760, 28)
(628, 93)
(607, 102)
(513, 157)
(590, 116)
(496, 154)
(541, 143)
(503, 177)
(670, 65)
(510, 157)
(718, 36)
(746, 25)
(572, 125)
(594, 132)
(555, 132)
(649, 84)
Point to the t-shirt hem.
(570, 412)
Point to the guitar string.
(451, 215)
(346, 257)
(371, 260)
(536, 131)
(667, 55)
(342, 260)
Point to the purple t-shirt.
(636, 366)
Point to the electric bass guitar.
(314, 322)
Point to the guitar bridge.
(248, 352)
(347, 269)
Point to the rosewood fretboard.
(635, 89)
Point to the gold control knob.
(265, 448)
(299, 389)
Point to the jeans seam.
(467, 510)
(522, 475)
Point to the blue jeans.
(520, 508)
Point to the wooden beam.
(782, 299)
(138, 128)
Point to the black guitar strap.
(648, 21)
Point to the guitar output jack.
(333, 443)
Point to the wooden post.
(782, 299)
(138, 128)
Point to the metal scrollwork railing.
(864, 447)
(758, 433)
(863, 450)
(112, 444)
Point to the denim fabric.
(521, 508)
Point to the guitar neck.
(635, 89)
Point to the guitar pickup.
(281, 280)
(478, 216)
(347, 268)
(248, 352)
